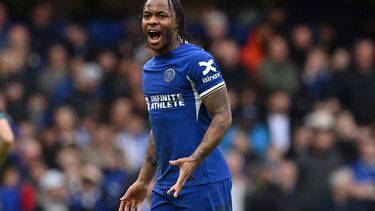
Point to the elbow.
(226, 121)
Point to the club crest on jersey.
(169, 75)
(208, 66)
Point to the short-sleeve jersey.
(174, 86)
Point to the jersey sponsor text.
(164, 101)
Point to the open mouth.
(154, 36)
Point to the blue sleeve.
(204, 73)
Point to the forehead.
(157, 5)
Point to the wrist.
(196, 157)
(143, 182)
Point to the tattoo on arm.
(151, 155)
(150, 164)
(217, 104)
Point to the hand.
(187, 165)
(134, 197)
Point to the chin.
(156, 47)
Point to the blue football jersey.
(174, 86)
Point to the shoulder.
(149, 63)
(198, 56)
(198, 53)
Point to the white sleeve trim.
(212, 89)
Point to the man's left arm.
(217, 103)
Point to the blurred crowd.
(303, 104)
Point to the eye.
(146, 16)
(162, 15)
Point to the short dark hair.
(180, 17)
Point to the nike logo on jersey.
(208, 66)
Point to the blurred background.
(300, 76)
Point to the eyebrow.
(157, 12)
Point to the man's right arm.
(149, 164)
(137, 192)
(6, 137)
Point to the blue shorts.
(207, 197)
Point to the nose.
(153, 20)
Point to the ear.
(176, 22)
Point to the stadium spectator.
(41, 27)
(53, 192)
(277, 72)
(227, 53)
(317, 163)
(340, 197)
(55, 71)
(16, 194)
(215, 24)
(254, 50)
(364, 172)
(316, 76)
(278, 121)
(356, 88)
(301, 43)
(347, 136)
(4, 24)
(340, 60)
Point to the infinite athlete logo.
(166, 101)
(208, 66)
(169, 75)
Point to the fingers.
(177, 192)
(178, 161)
(129, 206)
(171, 189)
(133, 206)
(176, 189)
(122, 205)
(178, 186)
(139, 207)
(174, 162)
